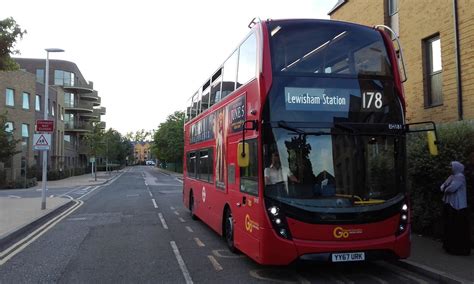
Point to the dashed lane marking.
(199, 243)
(163, 222)
(189, 229)
(154, 203)
(172, 208)
(214, 262)
(176, 213)
(182, 265)
(181, 220)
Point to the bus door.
(246, 202)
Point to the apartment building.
(142, 152)
(437, 38)
(73, 105)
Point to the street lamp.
(45, 117)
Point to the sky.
(145, 57)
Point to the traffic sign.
(44, 125)
(41, 142)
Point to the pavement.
(427, 256)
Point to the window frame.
(253, 156)
(8, 95)
(428, 75)
(27, 95)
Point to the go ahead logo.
(340, 232)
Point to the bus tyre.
(191, 206)
(229, 231)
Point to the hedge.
(426, 173)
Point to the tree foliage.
(108, 144)
(7, 142)
(138, 136)
(10, 31)
(168, 140)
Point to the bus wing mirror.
(243, 155)
(431, 134)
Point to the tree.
(9, 32)
(138, 136)
(7, 143)
(168, 140)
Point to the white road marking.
(77, 219)
(217, 253)
(181, 263)
(51, 196)
(199, 243)
(13, 196)
(163, 222)
(132, 195)
(89, 192)
(214, 262)
(154, 203)
(176, 213)
(149, 192)
(189, 229)
(182, 220)
(179, 180)
(21, 245)
(172, 208)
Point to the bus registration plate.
(352, 256)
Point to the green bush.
(426, 173)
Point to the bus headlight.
(404, 216)
(278, 220)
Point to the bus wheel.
(229, 231)
(191, 206)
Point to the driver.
(274, 174)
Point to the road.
(135, 229)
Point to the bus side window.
(216, 87)
(249, 175)
(230, 75)
(247, 60)
(205, 96)
(191, 164)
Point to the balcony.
(97, 102)
(81, 107)
(91, 116)
(102, 110)
(101, 125)
(80, 88)
(90, 96)
(77, 126)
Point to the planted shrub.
(426, 173)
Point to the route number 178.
(371, 100)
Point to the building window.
(63, 78)
(69, 99)
(25, 133)
(249, 175)
(433, 71)
(10, 97)
(26, 100)
(40, 76)
(38, 103)
(9, 127)
(392, 7)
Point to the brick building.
(142, 152)
(73, 105)
(437, 38)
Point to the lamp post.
(45, 117)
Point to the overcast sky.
(145, 57)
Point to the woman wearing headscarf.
(456, 215)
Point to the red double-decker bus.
(295, 146)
